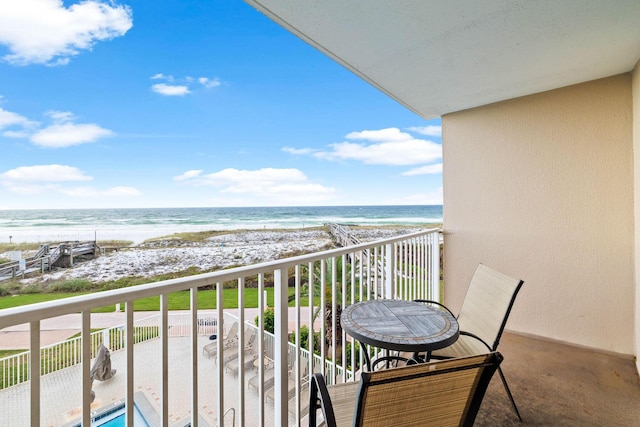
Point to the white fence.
(309, 291)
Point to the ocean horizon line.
(139, 224)
(3, 209)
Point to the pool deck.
(60, 391)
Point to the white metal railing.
(317, 286)
(64, 354)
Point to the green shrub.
(31, 289)
(10, 287)
(269, 320)
(304, 339)
(72, 285)
(4, 291)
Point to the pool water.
(116, 418)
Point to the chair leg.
(506, 387)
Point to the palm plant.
(320, 281)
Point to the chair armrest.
(393, 358)
(426, 301)
(319, 399)
(469, 334)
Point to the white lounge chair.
(230, 339)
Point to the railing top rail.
(45, 310)
(9, 265)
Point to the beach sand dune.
(162, 256)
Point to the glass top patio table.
(405, 326)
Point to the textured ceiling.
(437, 57)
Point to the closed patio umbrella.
(101, 369)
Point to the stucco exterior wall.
(635, 83)
(542, 189)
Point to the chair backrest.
(443, 393)
(250, 337)
(233, 332)
(487, 305)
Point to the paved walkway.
(60, 328)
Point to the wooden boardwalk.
(342, 235)
(47, 257)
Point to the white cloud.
(8, 118)
(181, 86)
(389, 153)
(188, 175)
(44, 174)
(425, 170)
(68, 134)
(92, 192)
(381, 135)
(299, 151)
(170, 90)
(47, 32)
(61, 116)
(61, 133)
(209, 83)
(389, 147)
(79, 191)
(55, 179)
(430, 130)
(122, 191)
(285, 185)
(16, 134)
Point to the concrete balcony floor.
(560, 385)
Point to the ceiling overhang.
(437, 57)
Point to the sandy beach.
(230, 249)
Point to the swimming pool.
(116, 418)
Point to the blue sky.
(184, 103)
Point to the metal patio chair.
(482, 318)
(440, 393)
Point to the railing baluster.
(334, 316)
(311, 337)
(343, 335)
(389, 271)
(298, 362)
(241, 356)
(220, 350)
(34, 371)
(86, 367)
(164, 337)
(130, 370)
(281, 299)
(194, 356)
(261, 350)
(323, 315)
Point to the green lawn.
(24, 299)
(177, 300)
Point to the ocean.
(57, 225)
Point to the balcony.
(174, 382)
(168, 367)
